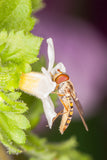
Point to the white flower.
(41, 84)
(47, 103)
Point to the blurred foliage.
(37, 5)
(38, 148)
(18, 50)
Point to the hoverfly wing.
(80, 110)
(77, 102)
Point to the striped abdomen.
(66, 118)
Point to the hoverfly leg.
(60, 95)
(66, 107)
(58, 114)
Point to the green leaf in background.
(35, 111)
(68, 150)
(16, 15)
(37, 5)
(38, 148)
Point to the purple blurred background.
(79, 31)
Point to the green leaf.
(37, 5)
(12, 149)
(18, 51)
(19, 47)
(16, 15)
(18, 120)
(19, 108)
(17, 135)
(9, 104)
(11, 130)
(14, 95)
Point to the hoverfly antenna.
(59, 70)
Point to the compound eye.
(61, 78)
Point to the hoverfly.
(67, 95)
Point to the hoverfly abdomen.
(66, 119)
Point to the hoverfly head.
(60, 77)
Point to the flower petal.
(51, 54)
(49, 110)
(45, 87)
(44, 71)
(37, 84)
(59, 66)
